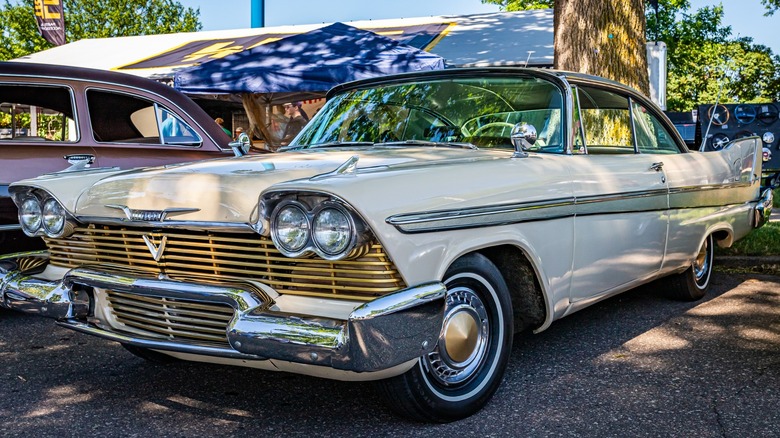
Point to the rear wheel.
(693, 284)
(463, 372)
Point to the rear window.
(37, 113)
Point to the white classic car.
(411, 229)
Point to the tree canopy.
(92, 19)
(702, 54)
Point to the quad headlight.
(332, 229)
(53, 217)
(329, 230)
(290, 228)
(40, 214)
(30, 215)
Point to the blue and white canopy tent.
(302, 66)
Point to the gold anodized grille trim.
(220, 257)
(172, 319)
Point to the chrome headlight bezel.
(31, 215)
(314, 205)
(280, 241)
(59, 225)
(349, 239)
(56, 227)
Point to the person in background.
(221, 122)
(240, 136)
(295, 122)
(303, 113)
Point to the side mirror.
(241, 146)
(523, 136)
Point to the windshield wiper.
(428, 143)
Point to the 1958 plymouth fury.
(411, 229)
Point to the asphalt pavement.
(634, 365)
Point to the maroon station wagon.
(56, 117)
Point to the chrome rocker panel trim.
(380, 334)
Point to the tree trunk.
(604, 38)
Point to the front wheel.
(465, 369)
(693, 284)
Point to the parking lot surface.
(634, 365)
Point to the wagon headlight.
(30, 216)
(290, 229)
(53, 218)
(333, 230)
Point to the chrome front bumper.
(377, 335)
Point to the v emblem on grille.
(157, 251)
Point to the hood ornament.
(156, 250)
(151, 215)
(348, 167)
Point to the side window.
(124, 118)
(651, 136)
(606, 121)
(173, 130)
(36, 113)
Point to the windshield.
(477, 112)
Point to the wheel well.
(723, 238)
(528, 304)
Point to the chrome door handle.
(659, 166)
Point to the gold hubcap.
(463, 342)
(460, 336)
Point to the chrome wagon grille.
(172, 319)
(220, 257)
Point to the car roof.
(68, 73)
(551, 74)
(33, 70)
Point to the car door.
(131, 129)
(621, 200)
(38, 127)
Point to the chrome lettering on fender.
(156, 250)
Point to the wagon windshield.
(458, 112)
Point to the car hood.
(227, 190)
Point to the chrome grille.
(217, 257)
(172, 319)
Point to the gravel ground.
(635, 365)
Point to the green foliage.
(92, 19)
(702, 55)
(522, 5)
(764, 241)
(771, 6)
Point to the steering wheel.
(492, 125)
(718, 141)
(719, 114)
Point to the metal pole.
(258, 13)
